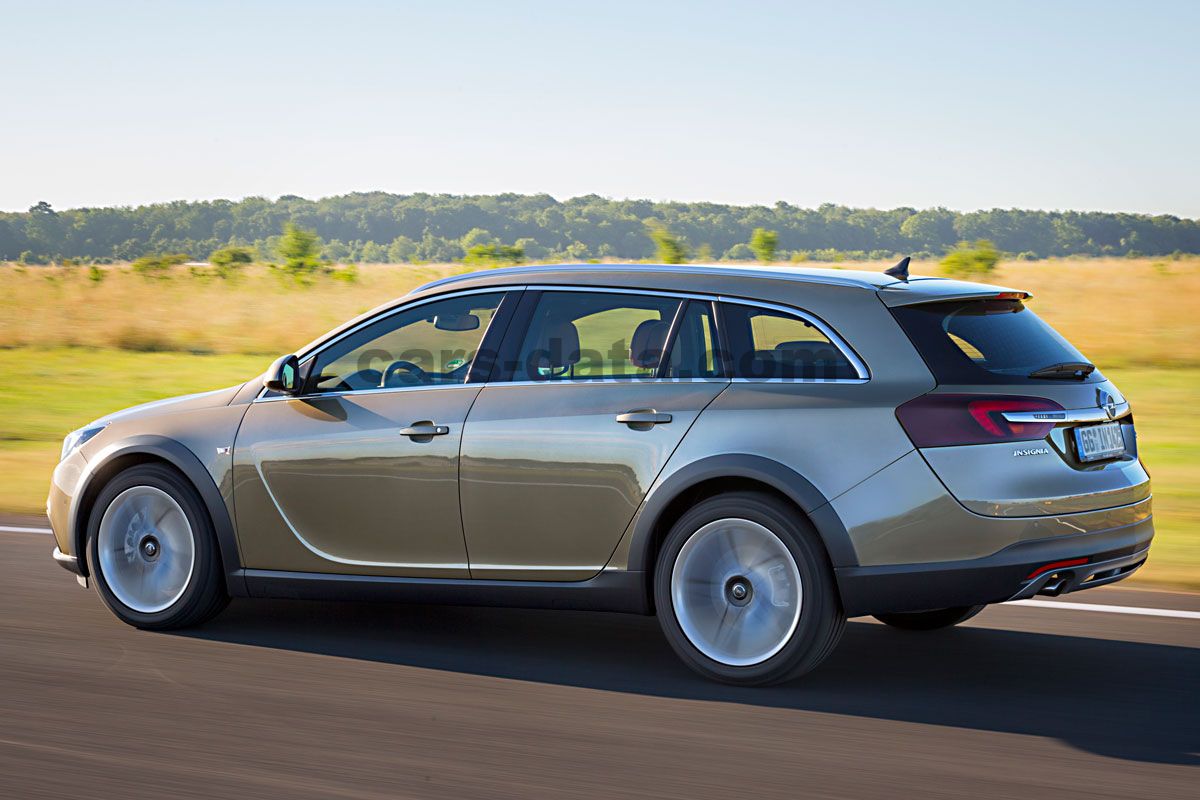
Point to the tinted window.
(427, 345)
(594, 335)
(694, 351)
(985, 341)
(765, 343)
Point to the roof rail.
(779, 273)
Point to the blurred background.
(189, 190)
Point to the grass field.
(74, 349)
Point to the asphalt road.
(282, 699)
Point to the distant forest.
(379, 227)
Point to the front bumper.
(70, 564)
(1016, 572)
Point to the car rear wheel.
(152, 551)
(929, 620)
(744, 591)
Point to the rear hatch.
(1020, 423)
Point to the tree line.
(381, 227)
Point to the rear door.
(585, 409)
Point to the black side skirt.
(609, 591)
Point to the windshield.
(986, 341)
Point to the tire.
(788, 596)
(152, 551)
(929, 620)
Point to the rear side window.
(576, 336)
(985, 341)
(694, 351)
(766, 343)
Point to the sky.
(1049, 105)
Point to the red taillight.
(1071, 562)
(940, 420)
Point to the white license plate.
(1095, 442)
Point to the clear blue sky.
(1086, 105)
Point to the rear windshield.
(985, 341)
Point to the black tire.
(821, 620)
(929, 620)
(204, 595)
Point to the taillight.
(938, 420)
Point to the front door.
(559, 452)
(360, 473)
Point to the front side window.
(428, 345)
(769, 344)
(595, 336)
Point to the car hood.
(171, 405)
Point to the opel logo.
(1106, 402)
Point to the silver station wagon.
(751, 454)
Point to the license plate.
(1094, 442)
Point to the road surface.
(290, 700)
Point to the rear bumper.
(69, 563)
(1013, 573)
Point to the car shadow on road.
(1120, 699)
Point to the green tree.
(764, 243)
(401, 250)
(300, 250)
(228, 260)
(739, 252)
(373, 253)
(667, 247)
(494, 254)
(971, 260)
(931, 229)
(158, 265)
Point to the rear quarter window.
(767, 343)
(985, 341)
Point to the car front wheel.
(744, 591)
(152, 551)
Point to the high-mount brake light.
(1012, 296)
(942, 420)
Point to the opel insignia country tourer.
(751, 454)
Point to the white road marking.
(1104, 609)
(1145, 612)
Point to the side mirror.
(284, 375)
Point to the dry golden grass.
(1123, 312)
(257, 312)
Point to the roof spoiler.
(900, 271)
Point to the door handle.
(643, 416)
(425, 429)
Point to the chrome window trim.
(805, 381)
(632, 379)
(305, 356)
(864, 375)
(380, 390)
(1075, 415)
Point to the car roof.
(674, 277)
(916, 289)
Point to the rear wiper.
(1077, 370)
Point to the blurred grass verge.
(155, 339)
